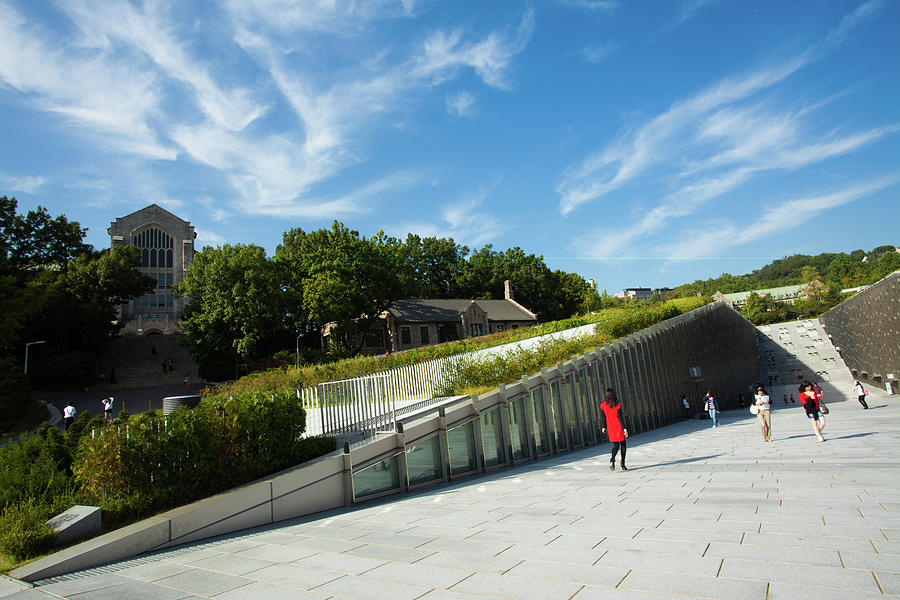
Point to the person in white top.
(69, 415)
(860, 393)
(764, 413)
(107, 407)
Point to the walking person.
(69, 414)
(811, 405)
(187, 380)
(764, 413)
(107, 407)
(861, 394)
(687, 406)
(611, 423)
(711, 405)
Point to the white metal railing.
(369, 403)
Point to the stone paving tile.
(698, 535)
(694, 585)
(809, 541)
(890, 582)
(154, 570)
(231, 564)
(868, 560)
(186, 558)
(637, 559)
(886, 547)
(828, 558)
(236, 546)
(132, 590)
(515, 537)
(516, 588)
(363, 588)
(787, 591)
(471, 562)
(9, 587)
(342, 563)
(581, 556)
(605, 575)
(570, 540)
(278, 554)
(266, 591)
(845, 579)
(448, 595)
(202, 583)
(396, 539)
(325, 544)
(663, 546)
(78, 586)
(419, 574)
(294, 576)
(590, 592)
(397, 553)
(468, 546)
(27, 594)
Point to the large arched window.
(157, 252)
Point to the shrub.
(15, 393)
(154, 463)
(23, 533)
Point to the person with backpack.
(810, 403)
(611, 423)
(861, 394)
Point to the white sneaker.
(821, 439)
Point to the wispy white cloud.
(461, 104)
(151, 31)
(596, 52)
(689, 8)
(337, 18)
(463, 220)
(606, 6)
(208, 239)
(16, 183)
(720, 138)
(88, 88)
(774, 220)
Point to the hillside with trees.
(828, 273)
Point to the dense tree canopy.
(56, 289)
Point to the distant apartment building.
(636, 293)
(167, 250)
(416, 322)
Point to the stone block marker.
(75, 524)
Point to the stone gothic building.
(167, 250)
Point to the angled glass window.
(461, 446)
(492, 438)
(571, 414)
(381, 477)
(423, 461)
(518, 434)
(538, 421)
(556, 417)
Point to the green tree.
(347, 279)
(239, 306)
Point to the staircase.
(136, 364)
(800, 350)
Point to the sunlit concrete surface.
(701, 513)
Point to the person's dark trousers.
(69, 421)
(862, 400)
(615, 450)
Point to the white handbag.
(754, 409)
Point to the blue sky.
(635, 143)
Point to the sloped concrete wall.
(866, 331)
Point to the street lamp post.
(26, 352)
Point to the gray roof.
(428, 310)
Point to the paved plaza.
(701, 513)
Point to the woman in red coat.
(611, 422)
(810, 402)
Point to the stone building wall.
(167, 249)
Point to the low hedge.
(619, 320)
(144, 464)
(477, 376)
